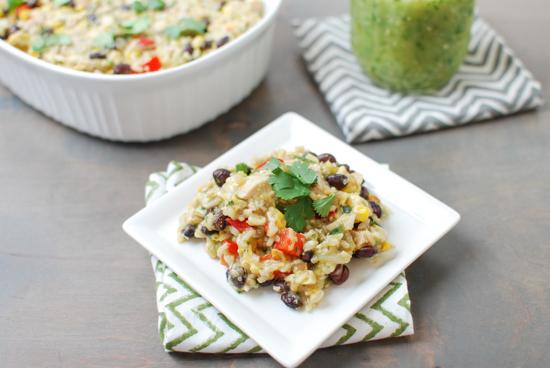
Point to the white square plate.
(416, 221)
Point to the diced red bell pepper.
(265, 257)
(239, 225)
(152, 65)
(280, 274)
(290, 242)
(146, 42)
(20, 8)
(232, 247)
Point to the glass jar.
(411, 46)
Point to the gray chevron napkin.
(189, 323)
(492, 82)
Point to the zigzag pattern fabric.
(189, 323)
(492, 82)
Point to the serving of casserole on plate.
(415, 222)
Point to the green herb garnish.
(105, 41)
(12, 4)
(287, 186)
(136, 26)
(139, 7)
(61, 2)
(186, 27)
(243, 167)
(296, 214)
(272, 164)
(337, 230)
(156, 4)
(41, 43)
(322, 206)
(302, 171)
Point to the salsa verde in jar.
(411, 46)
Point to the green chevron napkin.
(189, 323)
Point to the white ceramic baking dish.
(149, 106)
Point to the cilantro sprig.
(136, 26)
(186, 27)
(296, 214)
(41, 43)
(294, 185)
(287, 186)
(12, 4)
(322, 206)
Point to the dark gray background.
(76, 291)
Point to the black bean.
(340, 274)
(188, 48)
(364, 192)
(347, 168)
(376, 208)
(236, 276)
(338, 181)
(306, 256)
(219, 221)
(11, 30)
(324, 157)
(207, 231)
(220, 176)
(365, 252)
(206, 45)
(97, 55)
(122, 69)
(222, 41)
(266, 283)
(189, 231)
(291, 299)
(280, 286)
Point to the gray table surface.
(75, 291)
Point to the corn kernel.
(385, 246)
(362, 213)
(24, 14)
(280, 221)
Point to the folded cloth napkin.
(492, 82)
(189, 323)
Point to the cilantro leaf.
(287, 186)
(136, 26)
(242, 167)
(186, 27)
(156, 4)
(139, 7)
(61, 2)
(301, 170)
(41, 43)
(337, 230)
(12, 4)
(297, 214)
(272, 164)
(322, 206)
(105, 41)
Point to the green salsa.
(412, 46)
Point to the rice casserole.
(291, 221)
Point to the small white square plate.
(416, 221)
